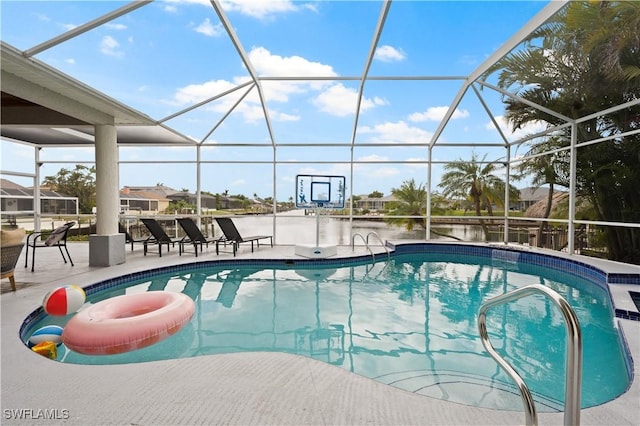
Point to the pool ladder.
(573, 363)
(366, 243)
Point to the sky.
(167, 56)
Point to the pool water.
(410, 322)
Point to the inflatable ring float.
(126, 323)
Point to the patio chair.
(194, 236)
(128, 238)
(57, 238)
(10, 248)
(158, 236)
(232, 235)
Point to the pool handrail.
(353, 245)
(573, 362)
(384, 246)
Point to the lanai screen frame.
(472, 82)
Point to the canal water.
(293, 227)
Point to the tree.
(79, 182)
(587, 60)
(376, 194)
(475, 180)
(411, 200)
(179, 206)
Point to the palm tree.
(475, 180)
(411, 200)
(471, 180)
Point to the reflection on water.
(409, 322)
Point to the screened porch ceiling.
(241, 99)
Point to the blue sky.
(169, 55)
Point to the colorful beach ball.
(48, 333)
(64, 300)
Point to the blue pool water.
(410, 322)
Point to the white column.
(107, 181)
(107, 246)
(507, 198)
(429, 174)
(37, 211)
(572, 188)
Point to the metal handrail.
(573, 379)
(384, 246)
(353, 243)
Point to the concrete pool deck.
(245, 388)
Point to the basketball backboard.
(320, 191)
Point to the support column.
(107, 246)
(37, 206)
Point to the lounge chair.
(194, 236)
(128, 238)
(158, 236)
(232, 235)
(57, 238)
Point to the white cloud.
(195, 93)
(70, 61)
(341, 101)
(109, 46)
(249, 108)
(268, 64)
(529, 129)
(336, 99)
(398, 132)
(388, 53)
(208, 29)
(379, 171)
(437, 114)
(258, 9)
(117, 27)
(42, 17)
(372, 157)
(280, 116)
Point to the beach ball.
(48, 333)
(64, 300)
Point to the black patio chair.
(56, 238)
(128, 238)
(194, 236)
(158, 236)
(232, 235)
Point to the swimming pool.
(409, 322)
